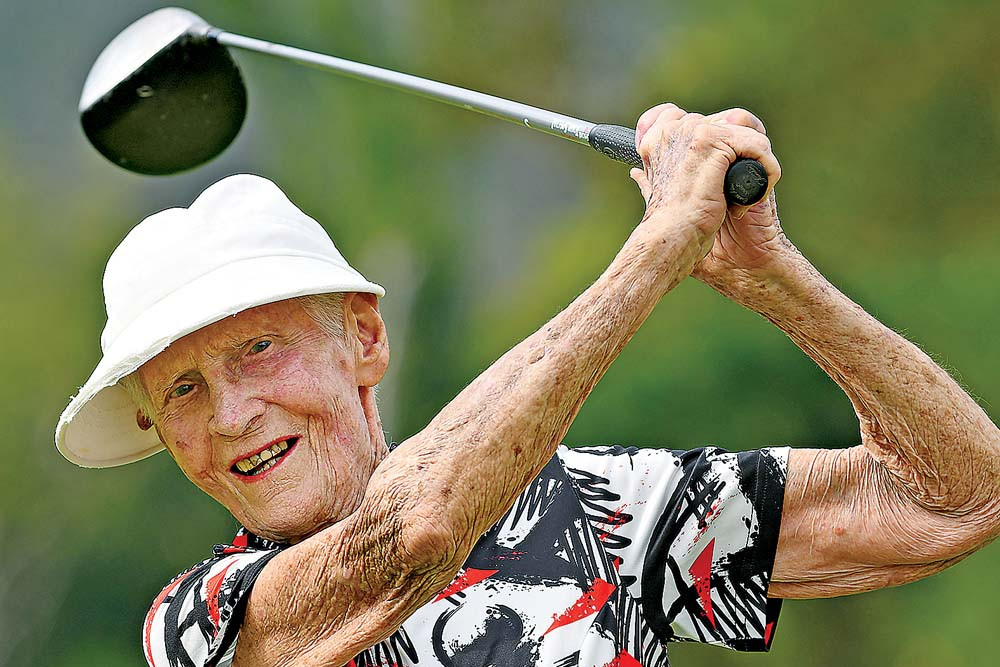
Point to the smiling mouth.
(265, 459)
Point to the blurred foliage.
(886, 119)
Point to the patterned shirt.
(606, 557)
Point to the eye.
(260, 346)
(181, 390)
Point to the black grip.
(617, 142)
(746, 179)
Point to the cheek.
(194, 461)
(329, 396)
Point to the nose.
(234, 411)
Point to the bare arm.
(351, 585)
(922, 491)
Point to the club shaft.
(537, 119)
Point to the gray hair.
(326, 309)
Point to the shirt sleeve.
(195, 619)
(692, 533)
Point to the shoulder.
(596, 458)
(615, 465)
(196, 617)
(613, 460)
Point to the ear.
(142, 421)
(366, 335)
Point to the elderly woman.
(240, 340)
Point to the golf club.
(166, 96)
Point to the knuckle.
(647, 142)
(703, 133)
(669, 109)
(773, 171)
(650, 115)
(740, 116)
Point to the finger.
(738, 117)
(772, 202)
(750, 143)
(649, 117)
(639, 176)
(761, 208)
(767, 206)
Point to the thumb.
(639, 176)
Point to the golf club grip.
(746, 179)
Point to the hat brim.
(98, 428)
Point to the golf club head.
(164, 96)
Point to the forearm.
(429, 502)
(495, 436)
(937, 444)
(439, 491)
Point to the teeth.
(266, 457)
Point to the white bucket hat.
(241, 244)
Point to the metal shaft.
(538, 119)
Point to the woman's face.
(273, 416)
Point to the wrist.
(659, 253)
(779, 289)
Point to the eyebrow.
(234, 344)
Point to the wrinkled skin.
(919, 493)
(922, 490)
(749, 239)
(227, 390)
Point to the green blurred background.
(885, 116)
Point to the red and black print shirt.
(608, 555)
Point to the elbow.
(430, 554)
(941, 538)
(423, 534)
(919, 532)
(434, 532)
(427, 541)
(981, 526)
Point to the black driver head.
(164, 96)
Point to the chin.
(294, 522)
